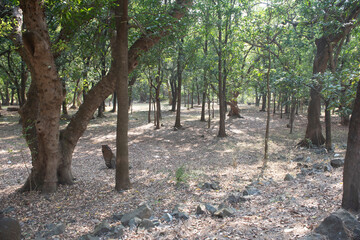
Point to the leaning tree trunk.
(351, 177)
(41, 113)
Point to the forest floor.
(281, 210)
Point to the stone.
(318, 167)
(147, 224)
(200, 209)
(308, 159)
(9, 229)
(337, 162)
(116, 232)
(313, 236)
(134, 223)
(288, 177)
(340, 225)
(183, 216)
(251, 191)
(55, 229)
(211, 186)
(236, 199)
(117, 216)
(88, 237)
(328, 168)
(320, 151)
(109, 157)
(102, 229)
(225, 212)
(143, 211)
(166, 217)
(299, 158)
(210, 208)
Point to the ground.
(283, 210)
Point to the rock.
(337, 162)
(166, 217)
(308, 159)
(318, 167)
(183, 216)
(210, 208)
(147, 224)
(109, 157)
(225, 212)
(143, 211)
(134, 223)
(299, 158)
(88, 237)
(9, 229)
(288, 177)
(8, 209)
(55, 229)
(251, 191)
(117, 216)
(305, 171)
(102, 229)
(340, 225)
(313, 236)
(200, 209)
(211, 186)
(320, 151)
(328, 168)
(116, 232)
(236, 199)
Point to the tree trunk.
(114, 102)
(328, 126)
(203, 103)
(263, 106)
(41, 113)
(292, 113)
(150, 99)
(351, 177)
(120, 56)
(179, 78)
(221, 89)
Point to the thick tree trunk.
(41, 113)
(351, 177)
(114, 102)
(263, 106)
(221, 89)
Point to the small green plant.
(181, 175)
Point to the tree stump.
(109, 157)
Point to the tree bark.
(328, 126)
(351, 177)
(120, 56)
(179, 78)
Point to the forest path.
(283, 210)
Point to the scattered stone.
(344, 146)
(134, 223)
(211, 186)
(117, 216)
(314, 236)
(308, 159)
(225, 212)
(337, 162)
(9, 229)
(55, 229)
(288, 177)
(183, 216)
(299, 158)
(200, 209)
(166, 217)
(336, 155)
(8, 210)
(102, 229)
(251, 191)
(318, 167)
(340, 225)
(116, 232)
(306, 172)
(88, 237)
(143, 211)
(236, 199)
(210, 208)
(328, 168)
(109, 157)
(147, 224)
(320, 151)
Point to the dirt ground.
(282, 210)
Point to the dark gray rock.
(320, 151)
(211, 186)
(305, 171)
(134, 223)
(102, 228)
(55, 229)
(251, 191)
(236, 199)
(225, 212)
(143, 211)
(166, 217)
(313, 236)
(9, 229)
(340, 225)
(337, 162)
(288, 177)
(210, 208)
(147, 224)
(299, 158)
(116, 232)
(200, 209)
(117, 216)
(183, 216)
(88, 237)
(328, 168)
